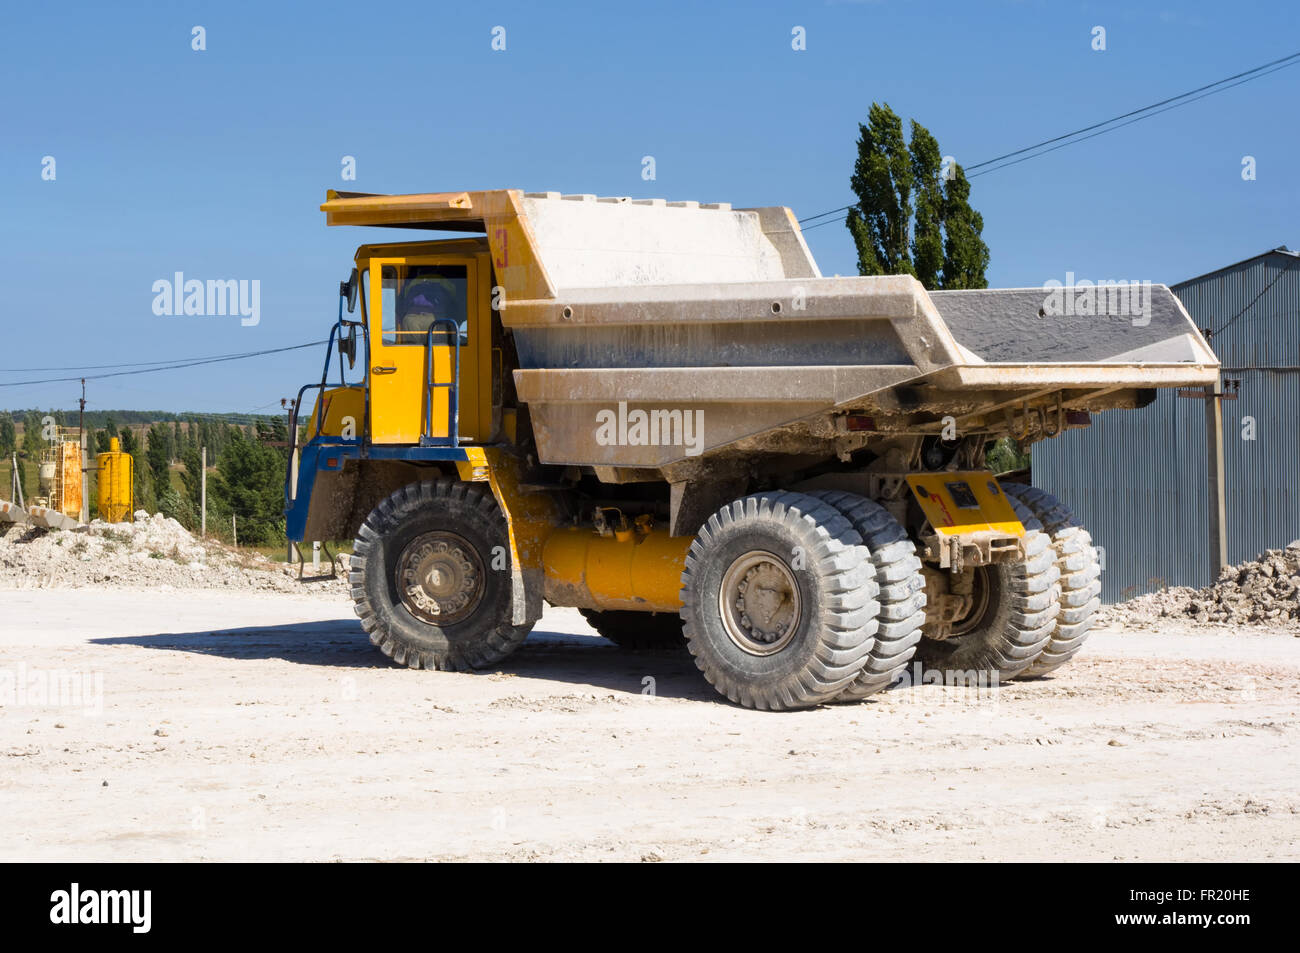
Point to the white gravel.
(1262, 591)
(153, 552)
(264, 727)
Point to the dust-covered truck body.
(662, 414)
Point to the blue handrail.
(427, 439)
(335, 335)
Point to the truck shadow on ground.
(559, 657)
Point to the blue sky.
(214, 163)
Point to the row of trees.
(248, 482)
(246, 465)
(175, 435)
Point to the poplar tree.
(913, 215)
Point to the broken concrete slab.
(12, 513)
(50, 519)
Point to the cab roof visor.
(447, 211)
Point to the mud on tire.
(1021, 613)
(901, 591)
(1080, 581)
(778, 601)
(450, 532)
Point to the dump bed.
(718, 320)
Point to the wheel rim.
(980, 598)
(440, 578)
(760, 603)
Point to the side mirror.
(348, 346)
(348, 289)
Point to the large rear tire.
(430, 577)
(901, 595)
(1080, 582)
(1014, 615)
(778, 600)
(637, 631)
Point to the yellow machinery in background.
(59, 476)
(114, 486)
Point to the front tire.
(430, 577)
(778, 600)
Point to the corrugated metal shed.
(1137, 479)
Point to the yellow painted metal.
(476, 468)
(343, 208)
(344, 415)
(638, 569)
(962, 502)
(113, 484)
(496, 212)
(530, 518)
(60, 477)
(398, 372)
(69, 500)
(631, 570)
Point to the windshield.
(415, 297)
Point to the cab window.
(415, 297)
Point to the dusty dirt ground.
(262, 726)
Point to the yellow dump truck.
(662, 414)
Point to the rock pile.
(153, 552)
(1263, 591)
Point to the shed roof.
(1280, 250)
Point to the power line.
(829, 221)
(842, 208)
(1128, 123)
(169, 367)
(1059, 142)
(1134, 112)
(102, 367)
(1251, 304)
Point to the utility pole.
(85, 461)
(290, 439)
(1214, 467)
(85, 480)
(203, 492)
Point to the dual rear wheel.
(792, 600)
(779, 601)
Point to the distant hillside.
(136, 418)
